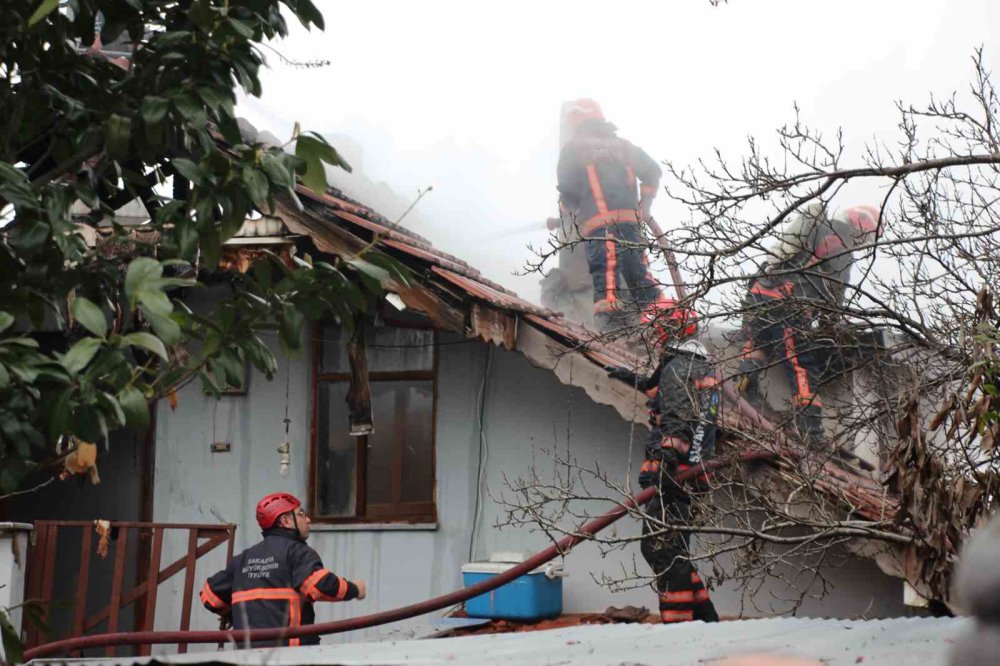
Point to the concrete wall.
(526, 411)
(13, 571)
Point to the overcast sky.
(465, 96)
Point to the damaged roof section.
(456, 297)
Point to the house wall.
(526, 412)
(118, 497)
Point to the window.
(388, 475)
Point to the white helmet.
(692, 347)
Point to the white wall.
(527, 410)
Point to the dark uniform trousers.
(681, 591)
(684, 402)
(781, 309)
(777, 327)
(615, 251)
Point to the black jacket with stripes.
(274, 584)
(602, 177)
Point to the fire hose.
(668, 254)
(242, 636)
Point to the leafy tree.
(88, 340)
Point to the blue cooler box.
(534, 596)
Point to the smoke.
(437, 95)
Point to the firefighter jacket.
(812, 261)
(274, 584)
(684, 399)
(602, 178)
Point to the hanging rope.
(285, 448)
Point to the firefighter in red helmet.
(606, 188)
(683, 401)
(802, 285)
(276, 582)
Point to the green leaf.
(262, 273)
(255, 183)
(119, 136)
(146, 341)
(276, 171)
(44, 9)
(30, 236)
(4, 377)
(307, 13)
(233, 369)
(21, 342)
(165, 327)
(370, 270)
(136, 409)
(141, 273)
(313, 151)
(34, 615)
(211, 247)
(12, 646)
(201, 14)
(25, 373)
(318, 145)
(6, 320)
(59, 417)
(241, 28)
(80, 354)
(391, 265)
(187, 238)
(189, 170)
(314, 176)
(89, 423)
(90, 316)
(290, 330)
(111, 405)
(153, 109)
(53, 372)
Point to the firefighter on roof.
(803, 284)
(684, 401)
(275, 583)
(606, 189)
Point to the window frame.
(421, 512)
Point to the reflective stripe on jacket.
(684, 402)
(603, 177)
(814, 262)
(274, 584)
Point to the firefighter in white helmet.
(804, 281)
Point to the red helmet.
(669, 321)
(274, 506)
(580, 110)
(863, 218)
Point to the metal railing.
(42, 573)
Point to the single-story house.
(470, 385)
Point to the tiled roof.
(449, 274)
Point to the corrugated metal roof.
(892, 642)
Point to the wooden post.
(189, 571)
(116, 585)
